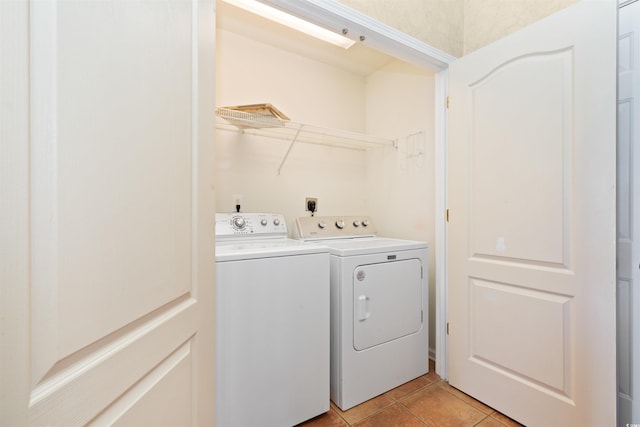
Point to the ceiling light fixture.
(291, 21)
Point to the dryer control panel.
(333, 227)
(250, 225)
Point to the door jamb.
(441, 219)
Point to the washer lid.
(370, 245)
(256, 249)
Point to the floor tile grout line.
(412, 393)
(402, 403)
(420, 420)
(341, 417)
(393, 401)
(481, 421)
(434, 383)
(401, 400)
(471, 397)
(415, 415)
(405, 397)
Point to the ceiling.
(358, 59)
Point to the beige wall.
(486, 21)
(307, 91)
(435, 22)
(458, 26)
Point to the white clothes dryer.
(272, 324)
(379, 307)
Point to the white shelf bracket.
(293, 141)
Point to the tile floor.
(425, 401)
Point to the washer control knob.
(263, 222)
(340, 224)
(365, 223)
(276, 222)
(322, 225)
(356, 223)
(238, 222)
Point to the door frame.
(336, 16)
(626, 405)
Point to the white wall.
(400, 181)
(307, 91)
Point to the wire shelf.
(262, 124)
(268, 124)
(250, 119)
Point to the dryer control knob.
(276, 222)
(365, 223)
(263, 222)
(322, 225)
(238, 222)
(340, 224)
(356, 223)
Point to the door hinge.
(447, 101)
(447, 215)
(447, 328)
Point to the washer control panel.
(246, 225)
(333, 227)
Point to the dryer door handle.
(363, 307)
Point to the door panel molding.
(137, 405)
(503, 192)
(155, 340)
(504, 346)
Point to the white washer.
(272, 324)
(379, 307)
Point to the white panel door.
(628, 219)
(115, 326)
(532, 220)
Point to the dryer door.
(387, 302)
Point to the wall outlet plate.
(310, 202)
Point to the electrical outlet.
(311, 204)
(237, 201)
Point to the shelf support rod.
(293, 141)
